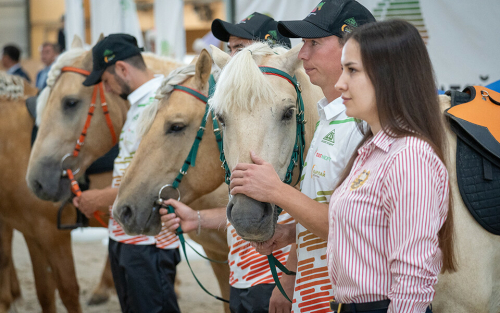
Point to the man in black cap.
(335, 139)
(255, 27)
(143, 267)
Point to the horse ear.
(220, 57)
(203, 67)
(101, 37)
(77, 42)
(290, 60)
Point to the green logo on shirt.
(329, 139)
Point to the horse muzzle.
(253, 220)
(138, 222)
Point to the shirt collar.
(331, 109)
(382, 140)
(144, 89)
(13, 68)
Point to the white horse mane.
(241, 78)
(11, 86)
(65, 59)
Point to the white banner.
(170, 33)
(114, 16)
(74, 23)
(462, 36)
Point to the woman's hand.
(258, 181)
(184, 216)
(284, 235)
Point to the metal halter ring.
(63, 168)
(160, 199)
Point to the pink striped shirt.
(384, 223)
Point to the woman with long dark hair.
(390, 231)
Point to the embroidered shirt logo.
(108, 55)
(322, 156)
(317, 173)
(329, 139)
(360, 180)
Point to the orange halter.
(75, 188)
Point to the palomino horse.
(163, 150)
(50, 249)
(13, 93)
(475, 287)
(258, 113)
(58, 122)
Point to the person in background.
(11, 55)
(48, 55)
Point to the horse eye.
(220, 118)
(71, 102)
(288, 114)
(175, 128)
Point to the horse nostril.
(229, 209)
(37, 185)
(126, 214)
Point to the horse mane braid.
(11, 86)
(241, 83)
(177, 76)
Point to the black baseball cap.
(255, 26)
(329, 17)
(115, 47)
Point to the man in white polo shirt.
(335, 139)
(143, 267)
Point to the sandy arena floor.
(89, 257)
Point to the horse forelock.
(11, 86)
(241, 84)
(65, 59)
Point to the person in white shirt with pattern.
(335, 139)
(143, 267)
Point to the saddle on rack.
(474, 117)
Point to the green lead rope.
(296, 158)
(190, 161)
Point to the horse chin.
(138, 222)
(253, 220)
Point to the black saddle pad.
(478, 174)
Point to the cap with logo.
(115, 47)
(255, 26)
(329, 17)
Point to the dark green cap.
(115, 47)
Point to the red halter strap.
(75, 188)
(98, 87)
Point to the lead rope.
(297, 155)
(190, 161)
(75, 188)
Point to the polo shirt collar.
(144, 89)
(332, 109)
